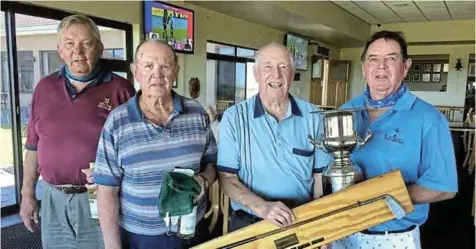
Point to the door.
(329, 84)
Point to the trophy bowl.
(338, 137)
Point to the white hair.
(78, 19)
(274, 44)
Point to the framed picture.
(427, 67)
(436, 68)
(416, 67)
(317, 69)
(416, 77)
(435, 77)
(408, 78)
(425, 77)
(471, 70)
(446, 67)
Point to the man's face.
(155, 69)
(274, 73)
(79, 49)
(384, 68)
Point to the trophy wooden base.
(329, 223)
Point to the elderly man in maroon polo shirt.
(68, 111)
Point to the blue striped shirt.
(134, 153)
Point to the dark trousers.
(164, 241)
(240, 219)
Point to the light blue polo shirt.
(273, 159)
(412, 136)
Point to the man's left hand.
(203, 188)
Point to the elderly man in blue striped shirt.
(154, 132)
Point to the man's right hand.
(277, 213)
(29, 212)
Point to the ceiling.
(270, 14)
(385, 12)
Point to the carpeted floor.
(18, 237)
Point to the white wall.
(456, 87)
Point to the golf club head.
(395, 207)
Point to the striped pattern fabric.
(134, 153)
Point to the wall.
(446, 34)
(209, 25)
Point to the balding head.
(155, 68)
(274, 46)
(158, 43)
(274, 72)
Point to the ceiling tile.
(357, 11)
(379, 10)
(434, 10)
(406, 10)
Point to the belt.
(388, 232)
(71, 189)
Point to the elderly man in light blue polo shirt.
(407, 134)
(266, 164)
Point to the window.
(50, 62)
(229, 73)
(26, 72)
(117, 54)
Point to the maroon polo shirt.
(64, 126)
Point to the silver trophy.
(338, 137)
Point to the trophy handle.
(361, 141)
(317, 143)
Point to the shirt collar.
(135, 114)
(259, 109)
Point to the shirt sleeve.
(107, 170)
(210, 153)
(438, 165)
(32, 137)
(229, 147)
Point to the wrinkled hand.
(277, 213)
(29, 212)
(201, 182)
(90, 179)
(328, 246)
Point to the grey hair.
(78, 19)
(160, 42)
(274, 44)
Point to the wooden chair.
(469, 144)
(223, 105)
(225, 209)
(449, 112)
(214, 197)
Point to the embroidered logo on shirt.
(105, 104)
(395, 137)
